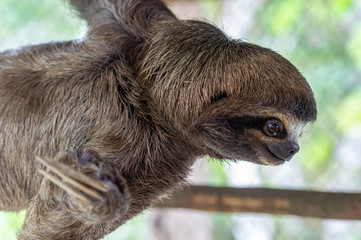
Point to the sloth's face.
(266, 137)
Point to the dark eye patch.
(239, 124)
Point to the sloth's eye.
(273, 128)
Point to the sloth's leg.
(79, 194)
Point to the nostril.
(294, 148)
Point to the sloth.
(94, 131)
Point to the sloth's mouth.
(274, 156)
(274, 160)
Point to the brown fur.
(138, 99)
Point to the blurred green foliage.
(29, 21)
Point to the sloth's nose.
(291, 150)
(284, 150)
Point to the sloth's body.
(131, 107)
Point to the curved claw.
(77, 184)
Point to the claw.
(74, 178)
(60, 184)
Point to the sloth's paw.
(93, 192)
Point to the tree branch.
(262, 200)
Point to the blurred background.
(322, 38)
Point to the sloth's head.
(233, 99)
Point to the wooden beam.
(333, 205)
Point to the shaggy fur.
(132, 105)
